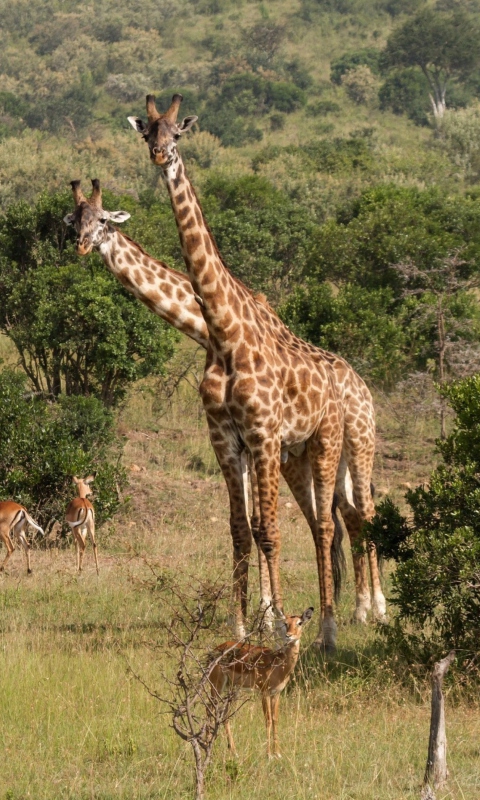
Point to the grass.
(77, 725)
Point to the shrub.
(405, 91)
(436, 585)
(368, 57)
(322, 107)
(356, 323)
(42, 445)
(360, 84)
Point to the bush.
(322, 107)
(42, 445)
(76, 329)
(436, 585)
(405, 91)
(368, 57)
(360, 84)
(356, 323)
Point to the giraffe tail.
(339, 564)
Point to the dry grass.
(76, 724)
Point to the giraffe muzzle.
(84, 248)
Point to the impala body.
(252, 667)
(14, 520)
(80, 515)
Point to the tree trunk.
(442, 343)
(436, 772)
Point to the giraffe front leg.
(266, 611)
(266, 457)
(228, 453)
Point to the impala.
(251, 667)
(80, 515)
(14, 519)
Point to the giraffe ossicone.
(265, 389)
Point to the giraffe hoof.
(29, 571)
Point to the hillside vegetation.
(334, 184)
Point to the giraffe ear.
(118, 216)
(187, 123)
(137, 124)
(69, 219)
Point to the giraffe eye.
(176, 136)
(103, 220)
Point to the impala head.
(83, 485)
(291, 627)
(162, 131)
(90, 219)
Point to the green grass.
(76, 724)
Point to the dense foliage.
(76, 330)
(437, 579)
(42, 445)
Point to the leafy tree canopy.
(441, 44)
(75, 328)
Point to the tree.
(359, 324)
(75, 328)
(442, 287)
(42, 445)
(444, 45)
(436, 584)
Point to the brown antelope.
(269, 671)
(14, 519)
(80, 515)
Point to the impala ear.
(90, 479)
(306, 616)
(75, 479)
(187, 123)
(137, 124)
(69, 219)
(118, 216)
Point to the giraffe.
(168, 294)
(267, 391)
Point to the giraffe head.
(162, 131)
(90, 219)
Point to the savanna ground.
(77, 724)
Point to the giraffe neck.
(218, 290)
(164, 291)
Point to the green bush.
(368, 57)
(358, 324)
(390, 224)
(43, 444)
(436, 585)
(76, 330)
(405, 91)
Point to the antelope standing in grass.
(80, 515)
(269, 671)
(14, 520)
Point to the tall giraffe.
(266, 390)
(168, 294)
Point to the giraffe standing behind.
(263, 389)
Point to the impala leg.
(275, 703)
(10, 547)
(23, 541)
(267, 713)
(91, 531)
(230, 742)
